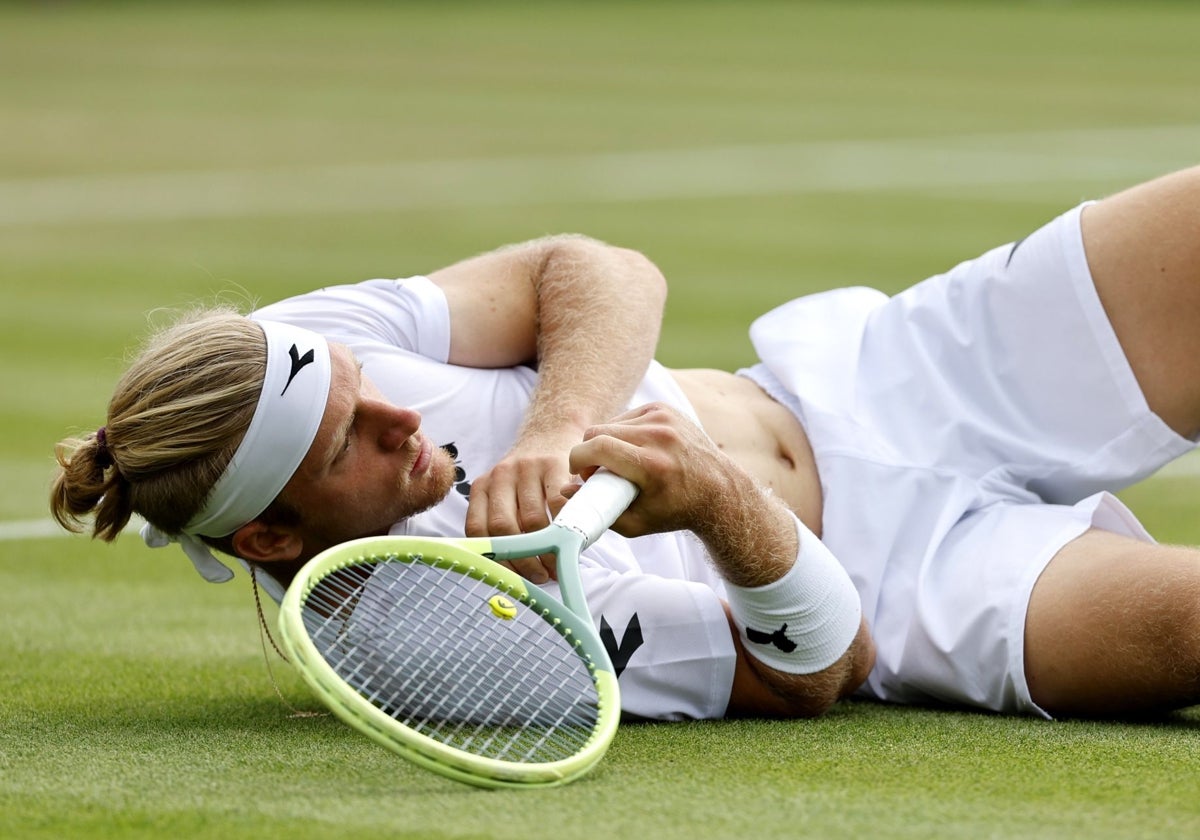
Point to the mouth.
(424, 456)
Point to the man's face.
(368, 467)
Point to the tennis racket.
(457, 663)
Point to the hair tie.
(104, 458)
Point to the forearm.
(808, 647)
(598, 316)
(587, 315)
(748, 533)
(801, 651)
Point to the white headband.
(289, 411)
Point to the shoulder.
(409, 313)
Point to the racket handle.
(596, 505)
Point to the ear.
(257, 541)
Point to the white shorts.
(964, 431)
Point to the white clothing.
(655, 600)
(964, 431)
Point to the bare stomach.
(760, 434)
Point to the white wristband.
(803, 622)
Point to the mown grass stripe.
(997, 160)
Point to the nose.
(394, 424)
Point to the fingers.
(627, 443)
(676, 466)
(515, 497)
(535, 569)
(507, 501)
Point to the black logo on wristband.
(778, 638)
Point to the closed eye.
(347, 438)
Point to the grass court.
(156, 155)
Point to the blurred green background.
(153, 155)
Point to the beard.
(374, 515)
(435, 485)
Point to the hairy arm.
(587, 315)
(753, 542)
(687, 483)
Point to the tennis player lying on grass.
(954, 447)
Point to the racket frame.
(468, 556)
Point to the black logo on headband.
(777, 638)
(298, 363)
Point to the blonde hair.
(174, 421)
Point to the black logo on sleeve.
(778, 638)
(621, 652)
(298, 363)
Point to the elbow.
(651, 279)
(839, 680)
(815, 694)
(809, 705)
(647, 282)
(632, 269)
(776, 695)
(761, 691)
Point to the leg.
(1143, 249)
(1113, 628)
(1114, 623)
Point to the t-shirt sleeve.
(411, 314)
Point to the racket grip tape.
(597, 504)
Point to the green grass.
(141, 708)
(764, 150)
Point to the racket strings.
(488, 675)
(535, 702)
(460, 708)
(423, 645)
(459, 722)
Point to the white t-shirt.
(656, 600)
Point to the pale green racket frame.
(348, 705)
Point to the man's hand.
(586, 315)
(519, 495)
(680, 472)
(687, 483)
